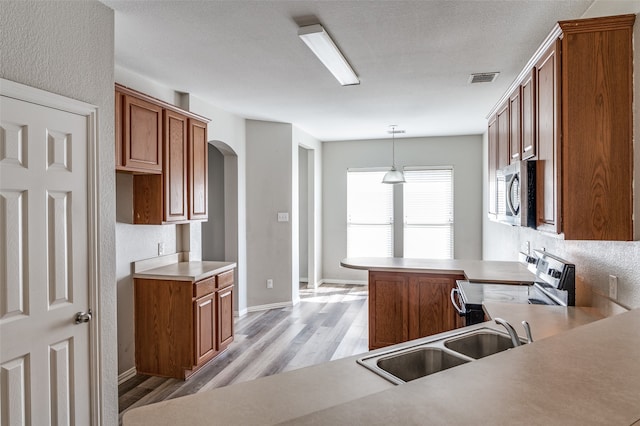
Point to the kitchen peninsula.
(592, 380)
(410, 298)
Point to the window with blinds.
(369, 215)
(428, 213)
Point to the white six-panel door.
(45, 368)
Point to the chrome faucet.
(515, 340)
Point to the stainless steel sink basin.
(419, 363)
(422, 357)
(480, 344)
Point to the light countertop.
(473, 270)
(586, 375)
(186, 271)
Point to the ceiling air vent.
(483, 77)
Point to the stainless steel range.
(555, 284)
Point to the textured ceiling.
(413, 58)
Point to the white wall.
(67, 48)
(461, 152)
(313, 201)
(270, 186)
(213, 230)
(303, 211)
(595, 260)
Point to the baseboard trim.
(240, 313)
(268, 306)
(126, 375)
(339, 281)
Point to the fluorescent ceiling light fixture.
(326, 50)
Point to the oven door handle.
(454, 292)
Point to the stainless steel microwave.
(516, 194)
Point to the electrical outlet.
(283, 217)
(160, 249)
(269, 283)
(613, 286)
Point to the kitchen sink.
(422, 357)
(480, 344)
(418, 363)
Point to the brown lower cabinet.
(181, 325)
(407, 306)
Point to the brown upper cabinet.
(175, 189)
(515, 130)
(528, 116)
(547, 127)
(198, 170)
(493, 165)
(576, 121)
(140, 133)
(502, 120)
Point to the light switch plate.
(283, 217)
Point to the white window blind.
(369, 215)
(428, 214)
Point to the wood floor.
(327, 324)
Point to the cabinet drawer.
(203, 287)
(224, 280)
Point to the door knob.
(82, 317)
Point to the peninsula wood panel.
(406, 306)
(430, 309)
(388, 309)
(597, 148)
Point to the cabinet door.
(142, 136)
(430, 308)
(493, 163)
(547, 131)
(515, 135)
(175, 166)
(224, 299)
(502, 120)
(597, 133)
(198, 170)
(205, 328)
(118, 129)
(388, 309)
(528, 116)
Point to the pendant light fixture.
(393, 175)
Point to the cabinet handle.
(529, 148)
